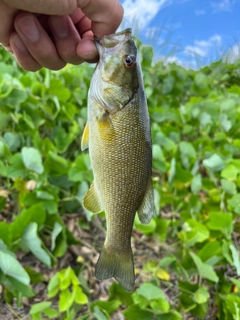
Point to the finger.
(106, 15)
(55, 7)
(22, 55)
(86, 49)
(37, 41)
(6, 19)
(66, 38)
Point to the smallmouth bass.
(119, 141)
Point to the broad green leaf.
(160, 305)
(136, 312)
(39, 307)
(234, 203)
(193, 232)
(109, 306)
(201, 295)
(204, 270)
(229, 186)
(34, 214)
(18, 285)
(11, 267)
(32, 160)
(13, 141)
(65, 300)
(218, 221)
(34, 244)
(16, 168)
(236, 258)
(100, 314)
(230, 172)
(79, 296)
(5, 232)
(214, 163)
(196, 184)
(150, 291)
(53, 286)
(57, 229)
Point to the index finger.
(106, 15)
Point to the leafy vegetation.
(193, 267)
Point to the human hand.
(51, 33)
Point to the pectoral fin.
(146, 209)
(85, 138)
(91, 201)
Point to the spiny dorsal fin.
(146, 209)
(85, 138)
(91, 201)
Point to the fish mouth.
(112, 40)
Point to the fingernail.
(19, 44)
(29, 28)
(60, 26)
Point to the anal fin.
(91, 201)
(146, 209)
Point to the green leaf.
(20, 286)
(135, 312)
(236, 260)
(39, 307)
(225, 123)
(34, 244)
(65, 300)
(53, 286)
(57, 229)
(150, 292)
(79, 296)
(100, 314)
(218, 221)
(230, 172)
(187, 152)
(108, 306)
(16, 168)
(5, 232)
(214, 163)
(201, 295)
(196, 184)
(229, 186)
(193, 232)
(12, 140)
(11, 267)
(204, 270)
(32, 160)
(34, 214)
(234, 203)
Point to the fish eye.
(129, 61)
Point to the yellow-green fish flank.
(119, 142)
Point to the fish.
(118, 137)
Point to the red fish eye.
(128, 61)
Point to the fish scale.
(119, 142)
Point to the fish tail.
(118, 265)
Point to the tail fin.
(117, 265)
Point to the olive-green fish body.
(119, 141)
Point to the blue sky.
(190, 32)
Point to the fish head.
(117, 70)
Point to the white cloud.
(139, 13)
(199, 12)
(233, 54)
(202, 48)
(223, 5)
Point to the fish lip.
(126, 33)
